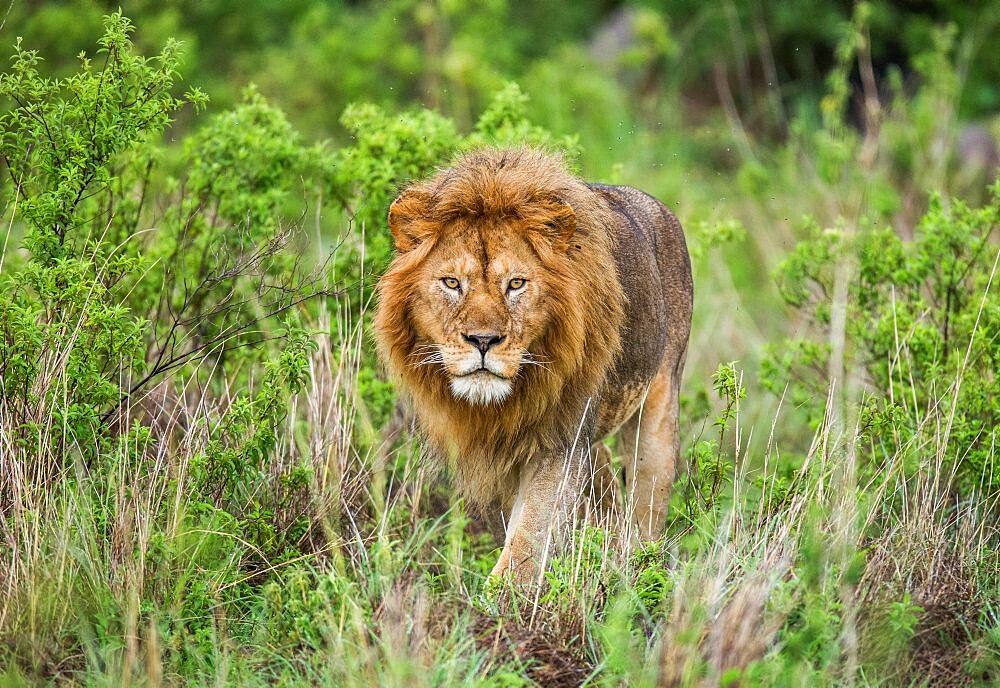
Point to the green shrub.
(67, 341)
(923, 324)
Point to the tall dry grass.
(839, 575)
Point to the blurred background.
(724, 109)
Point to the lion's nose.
(483, 340)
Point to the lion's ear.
(408, 219)
(560, 220)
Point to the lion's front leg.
(547, 495)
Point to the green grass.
(833, 575)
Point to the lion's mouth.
(482, 372)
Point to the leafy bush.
(68, 343)
(923, 323)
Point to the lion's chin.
(481, 388)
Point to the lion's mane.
(485, 445)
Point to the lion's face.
(479, 307)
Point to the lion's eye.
(451, 282)
(516, 283)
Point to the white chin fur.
(481, 388)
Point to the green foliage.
(230, 471)
(299, 611)
(387, 151)
(64, 135)
(76, 315)
(704, 236)
(922, 327)
(67, 339)
(903, 617)
(505, 122)
(249, 163)
(710, 468)
(653, 584)
(75, 345)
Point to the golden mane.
(533, 190)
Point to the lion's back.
(655, 272)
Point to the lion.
(526, 316)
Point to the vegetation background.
(196, 486)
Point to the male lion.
(527, 315)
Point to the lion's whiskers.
(428, 354)
(434, 358)
(423, 349)
(528, 358)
